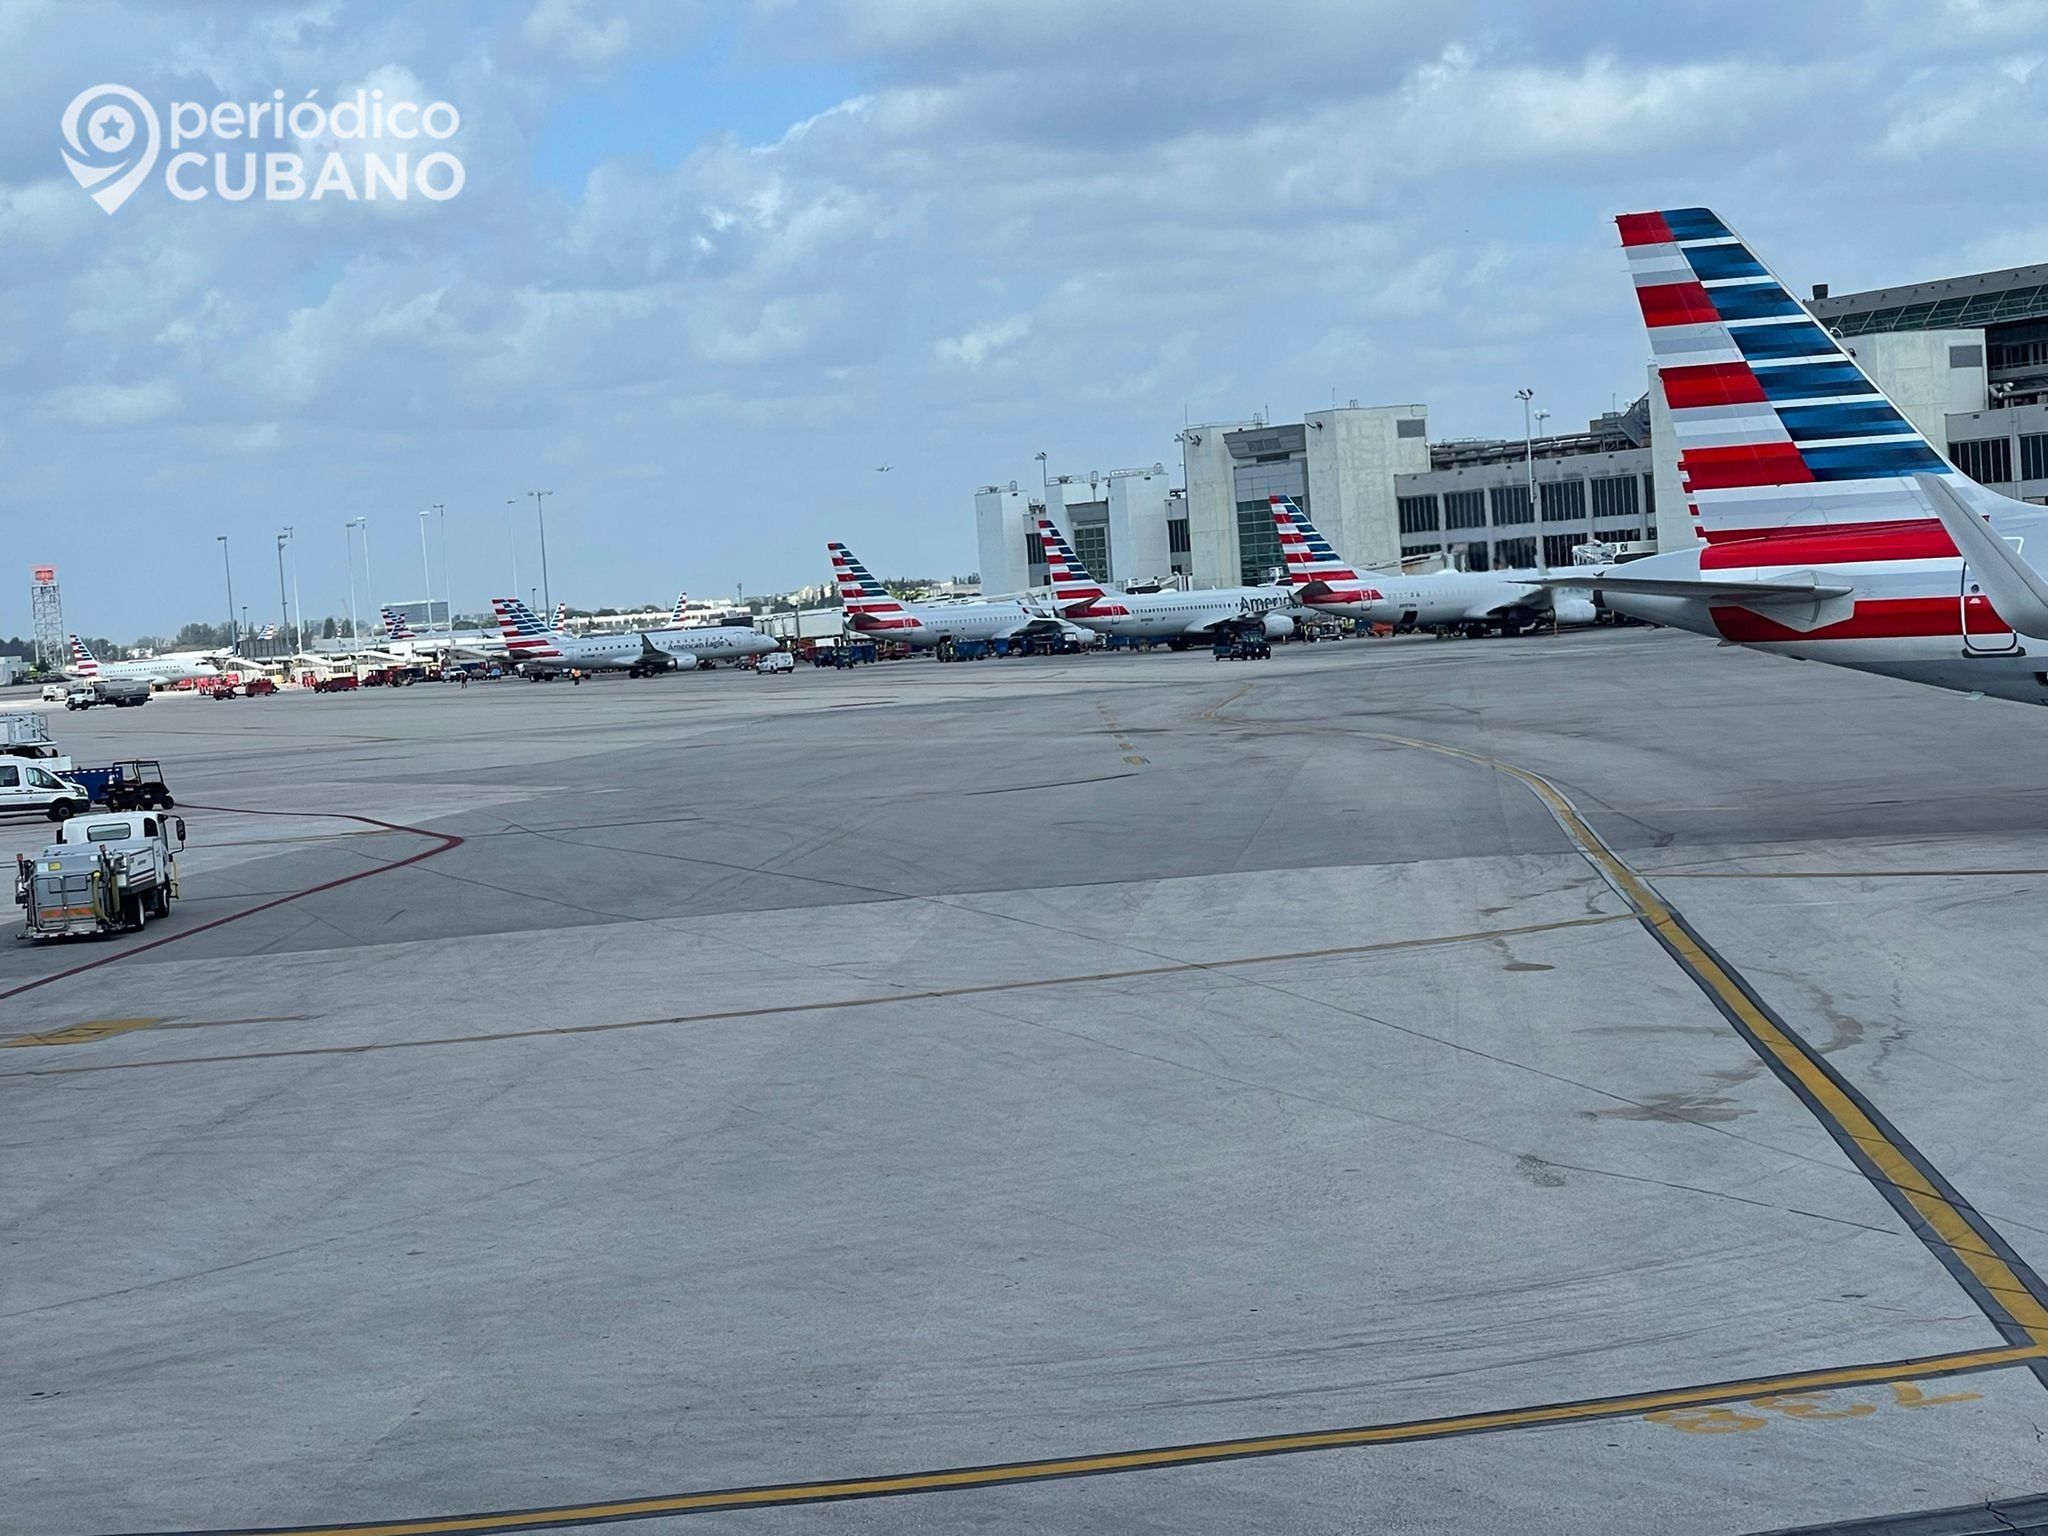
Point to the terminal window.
(1258, 542)
(1465, 509)
(1412, 551)
(1514, 554)
(1564, 501)
(1614, 496)
(1984, 459)
(1418, 514)
(1177, 536)
(1510, 504)
(2034, 456)
(1091, 543)
(1558, 547)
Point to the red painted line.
(443, 841)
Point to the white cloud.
(104, 406)
(976, 347)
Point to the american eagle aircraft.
(872, 610)
(1832, 530)
(1179, 618)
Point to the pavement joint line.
(1156, 1458)
(1213, 710)
(1988, 1269)
(927, 994)
(443, 842)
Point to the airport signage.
(364, 147)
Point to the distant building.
(1965, 358)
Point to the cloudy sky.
(714, 262)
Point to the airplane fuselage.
(1173, 615)
(923, 626)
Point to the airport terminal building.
(1965, 358)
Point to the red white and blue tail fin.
(82, 659)
(869, 605)
(526, 638)
(1070, 580)
(396, 626)
(561, 618)
(1314, 570)
(681, 614)
(1780, 432)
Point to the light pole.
(234, 636)
(355, 634)
(512, 543)
(1043, 482)
(447, 586)
(298, 608)
(284, 629)
(1529, 444)
(547, 595)
(426, 581)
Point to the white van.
(56, 693)
(26, 789)
(776, 661)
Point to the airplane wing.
(2015, 588)
(1719, 593)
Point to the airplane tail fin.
(869, 605)
(1781, 434)
(526, 638)
(396, 626)
(1071, 582)
(682, 610)
(561, 618)
(1313, 567)
(82, 657)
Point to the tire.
(164, 801)
(62, 810)
(160, 902)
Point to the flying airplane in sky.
(1833, 531)
(872, 610)
(1477, 602)
(541, 651)
(158, 670)
(1179, 618)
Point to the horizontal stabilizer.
(1714, 592)
(2015, 588)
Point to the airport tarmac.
(1575, 1084)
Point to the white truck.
(30, 789)
(118, 691)
(104, 873)
(28, 736)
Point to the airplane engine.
(1278, 626)
(684, 661)
(1573, 608)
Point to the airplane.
(543, 652)
(1832, 529)
(1474, 601)
(562, 616)
(872, 610)
(1179, 618)
(157, 671)
(397, 626)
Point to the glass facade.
(1510, 505)
(1410, 551)
(1984, 459)
(1564, 501)
(1514, 553)
(1963, 313)
(2034, 456)
(1091, 543)
(1258, 542)
(1557, 547)
(1614, 496)
(1418, 514)
(1465, 509)
(1177, 542)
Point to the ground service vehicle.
(28, 736)
(102, 874)
(137, 784)
(56, 693)
(27, 787)
(776, 661)
(341, 682)
(1242, 648)
(121, 692)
